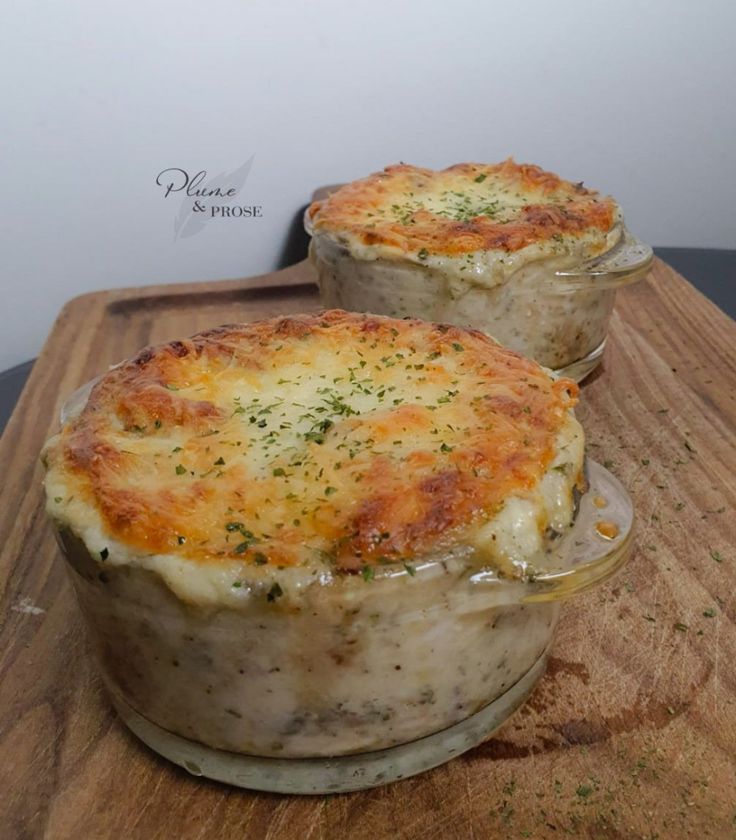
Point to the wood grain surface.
(632, 732)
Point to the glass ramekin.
(550, 310)
(351, 683)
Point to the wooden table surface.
(632, 732)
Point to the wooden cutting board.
(632, 733)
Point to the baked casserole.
(513, 250)
(313, 536)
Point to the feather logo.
(192, 216)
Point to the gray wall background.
(636, 99)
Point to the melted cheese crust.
(407, 212)
(339, 437)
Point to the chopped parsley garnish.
(249, 538)
(317, 432)
(274, 592)
(180, 469)
(368, 573)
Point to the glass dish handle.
(628, 261)
(598, 544)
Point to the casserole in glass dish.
(321, 553)
(531, 259)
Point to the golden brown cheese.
(409, 211)
(355, 438)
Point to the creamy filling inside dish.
(532, 313)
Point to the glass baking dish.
(359, 682)
(552, 310)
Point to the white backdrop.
(637, 99)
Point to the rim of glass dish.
(627, 261)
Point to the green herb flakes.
(274, 592)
